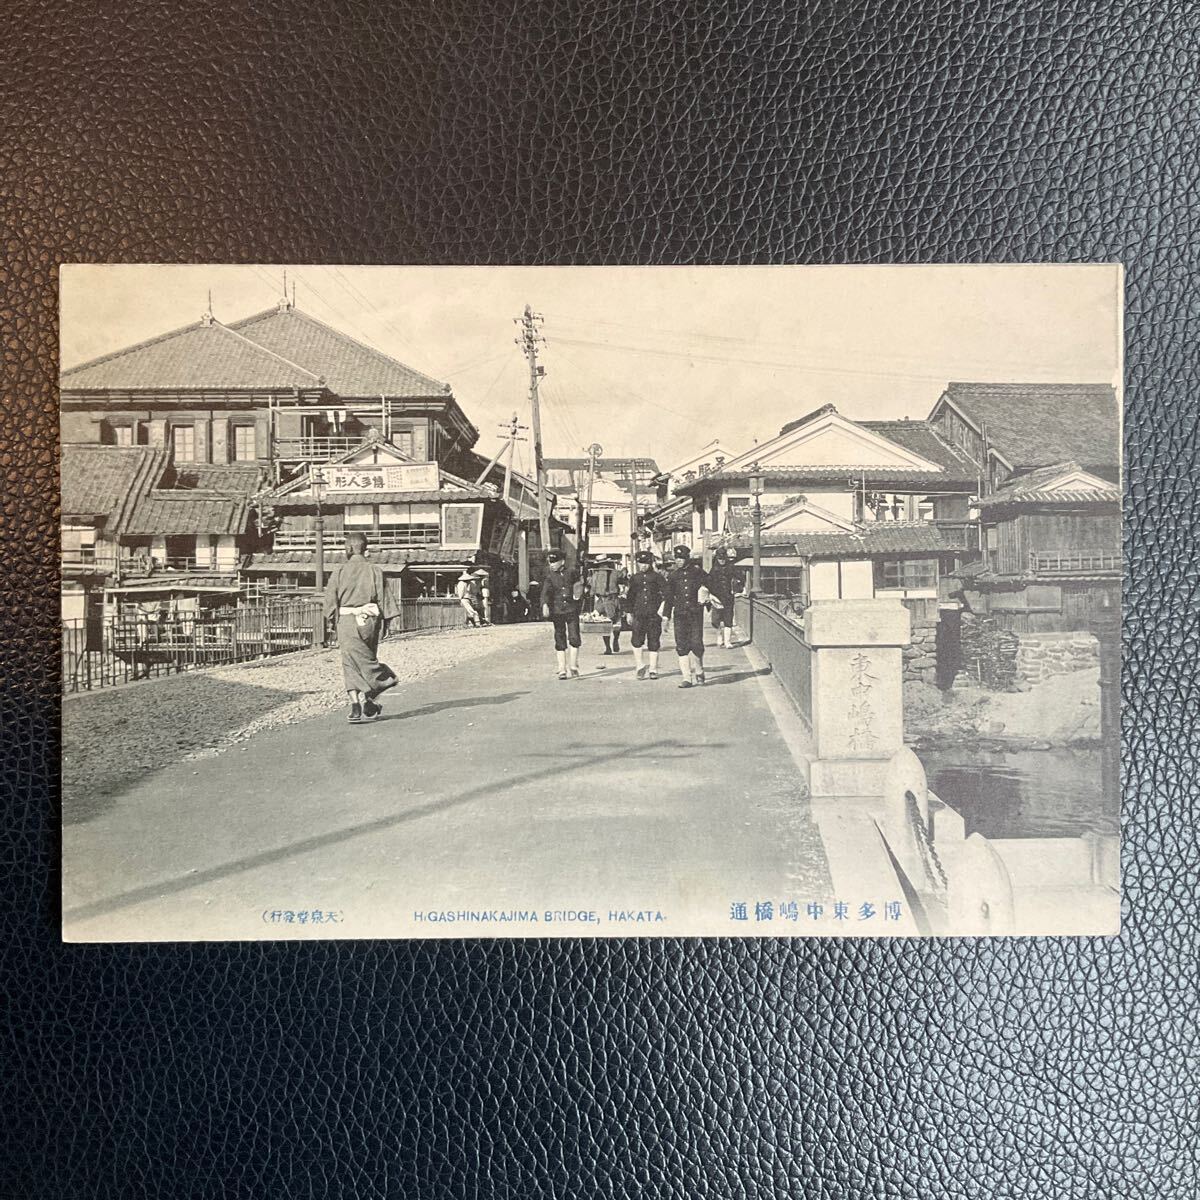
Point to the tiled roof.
(197, 499)
(105, 481)
(881, 476)
(922, 438)
(166, 512)
(231, 480)
(1031, 424)
(299, 560)
(881, 537)
(203, 355)
(277, 349)
(348, 367)
(1037, 488)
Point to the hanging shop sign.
(462, 526)
(387, 477)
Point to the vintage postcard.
(441, 602)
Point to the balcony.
(89, 559)
(959, 535)
(406, 537)
(1068, 562)
(314, 449)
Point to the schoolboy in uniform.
(688, 591)
(726, 583)
(644, 600)
(561, 596)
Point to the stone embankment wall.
(1044, 655)
(920, 656)
(1002, 660)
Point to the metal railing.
(106, 651)
(318, 449)
(1069, 562)
(780, 640)
(396, 538)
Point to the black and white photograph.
(527, 602)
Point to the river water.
(1024, 793)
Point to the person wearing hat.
(484, 584)
(643, 601)
(725, 584)
(464, 590)
(688, 592)
(562, 593)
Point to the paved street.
(491, 788)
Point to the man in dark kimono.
(357, 596)
(562, 592)
(688, 591)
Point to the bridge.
(495, 800)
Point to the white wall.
(857, 580)
(74, 604)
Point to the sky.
(654, 361)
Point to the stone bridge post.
(857, 695)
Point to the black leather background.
(660, 131)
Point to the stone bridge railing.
(881, 825)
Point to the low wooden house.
(1052, 551)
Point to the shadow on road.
(168, 887)
(428, 710)
(722, 675)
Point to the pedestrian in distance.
(518, 606)
(464, 590)
(357, 595)
(643, 602)
(484, 593)
(535, 600)
(688, 593)
(607, 609)
(726, 583)
(562, 593)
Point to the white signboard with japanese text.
(384, 477)
(462, 526)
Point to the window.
(402, 439)
(906, 573)
(925, 508)
(360, 514)
(243, 443)
(183, 443)
(783, 581)
(79, 543)
(608, 522)
(593, 523)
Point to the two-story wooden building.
(424, 525)
(851, 509)
(278, 388)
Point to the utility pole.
(633, 513)
(595, 450)
(528, 341)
